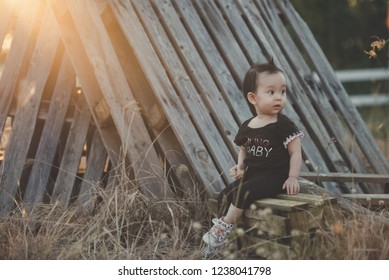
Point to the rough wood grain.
(24, 29)
(70, 161)
(49, 139)
(164, 91)
(30, 91)
(114, 87)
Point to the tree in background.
(345, 29)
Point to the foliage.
(342, 27)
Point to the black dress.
(267, 162)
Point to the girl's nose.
(278, 96)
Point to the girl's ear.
(251, 98)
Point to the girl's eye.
(271, 92)
(283, 91)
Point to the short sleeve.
(287, 130)
(240, 139)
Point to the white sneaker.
(216, 236)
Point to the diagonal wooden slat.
(94, 169)
(191, 98)
(164, 92)
(13, 65)
(29, 94)
(47, 148)
(225, 79)
(221, 33)
(79, 59)
(83, 19)
(176, 161)
(70, 161)
(6, 8)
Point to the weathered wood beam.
(96, 160)
(30, 91)
(48, 143)
(70, 161)
(159, 124)
(160, 83)
(100, 74)
(15, 60)
(345, 177)
(183, 65)
(6, 8)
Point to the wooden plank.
(47, 148)
(270, 224)
(70, 161)
(303, 221)
(176, 162)
(43, 111)
(83, 68)
(94, 169)
(195, 151)
(335, 90)
(6, 8)
(191, 58)
(186, 90)
(223, 38)
(226, 82)
(311, 199)
(280, 204)
(16, 56)
(113, 85)
(234, 17)
(30, 92)
(346, 177)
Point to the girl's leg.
(222, 227)
(233, 214)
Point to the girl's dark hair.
(250, 81)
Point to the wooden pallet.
(275, 227)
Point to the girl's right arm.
(238, 170)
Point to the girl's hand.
(292, 186)
(236, 172)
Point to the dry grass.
(124, 224)
(361, 236)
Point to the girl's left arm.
(291, 184)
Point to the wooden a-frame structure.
(155, 85)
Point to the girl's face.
(270, 95)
